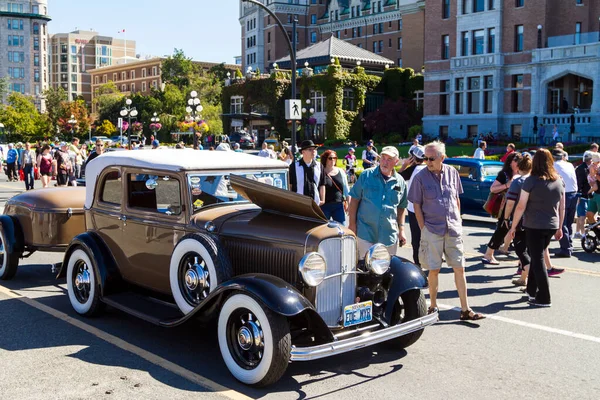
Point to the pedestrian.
(480, 151)
(510, 148)
(555, 134)
(594, 147)
(286, 156)
(412, 166)
(542, 204)
(435, 192)
(155, 144)
(272, 154)
(19, 147)
(264, 152)
(336, 188)
(12, 159)
(419, 138)
(378, 205)
(541, 134)
(501, 186)
(63, 166)
(512, 198)
(594, 181)
(306, 176)
(583, 192)
(45, 163)
(369, 157)
(415, 143)
(567, 172)
(236, 148)
(29, 160)
(76, 157)
(350, 162)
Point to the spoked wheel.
(198, 266)
(82, 283)
(411, 305)
(255, 342)
(589, 242)
(194, 278)
(8, 261)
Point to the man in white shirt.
(480, 152)
(567, 172)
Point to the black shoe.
(535, 303)
(561, 255)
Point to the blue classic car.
(477, 177)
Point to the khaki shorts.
(432, 247)
(364, 246)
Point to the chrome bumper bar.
(367, 339)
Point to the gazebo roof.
(336, 48)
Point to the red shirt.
(506, 155)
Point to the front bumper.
(366, 339)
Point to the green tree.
(212, 115)
(107, 129)
(4, 82)
(109, 101)
(20, 118)
(54, 100)
(178, 69)
(79, 111)
(219, 73)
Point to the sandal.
(490, 262)
(470, 315)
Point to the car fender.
(104, 264)
(405, 276)
(14, 234)
(275, 293)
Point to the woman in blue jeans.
(336, 188)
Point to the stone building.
(507, 66)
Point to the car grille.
(339, 287)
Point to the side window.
(111, 188)
(165, 198)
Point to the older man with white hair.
(434, 192)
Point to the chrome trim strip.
(350, 331)
(366, 339)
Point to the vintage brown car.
(173, 235)
(42, 219)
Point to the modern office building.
(74, 54)
(393, 29)
(507, 66)
(24, 47)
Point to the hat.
(155, 143)
(587, 156)
(223, 147)
(390, 151)
(558, 154)
(307, 144)
(351, 149)
(417, 152)
(62, 144)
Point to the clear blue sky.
(206, 30)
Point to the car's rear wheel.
(198, 266)
(411, 305)
(9, 261)
(83, 284)
(255, 342)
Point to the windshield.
(492, 171)
(208, 189)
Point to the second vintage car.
(173, 235)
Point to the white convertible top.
(175, 160)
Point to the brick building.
(393, 29)
(503, 65)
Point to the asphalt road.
(48, 352)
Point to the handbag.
(494, 203)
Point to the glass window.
(465, 44)
(478, 5)
(458, 97)
(164, 199)
(517, 95)
(519, 3)
(444, 97)
(348, 103)
(491, 4)
(63, 48)
(478, 41)
(445, 47)
(36, 29)
(519, 38)
(473, 95)
(313, 37)
(445, 9)
(491, 40)
(111, 188)
(578, 33)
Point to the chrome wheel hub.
(244, 338)
(82, 280)
(195, 278)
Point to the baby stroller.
(591, 237)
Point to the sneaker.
(535, 303)
(555, 271)
(561, 255)
(519, 282)
(577, 235)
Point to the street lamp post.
(292, 48)
(194, 108)
(72, 122)
(155, 125)
(2, 131)
(129, 112)
(308, 111)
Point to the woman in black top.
(336, 188)
(501, 185)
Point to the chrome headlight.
(313, 268)
(378, 259)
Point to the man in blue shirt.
(12, 158)
(378, 205)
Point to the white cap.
(390, 151)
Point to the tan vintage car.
(173, 235)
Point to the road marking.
(539, 327)
(122, 344)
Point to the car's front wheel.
(9, 261)
(411, 305)
(255, 342)
(83, 284)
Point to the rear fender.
(15, 243)
(103, 263)
(405, 276)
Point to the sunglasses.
(430, 158)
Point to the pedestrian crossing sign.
(293, 110)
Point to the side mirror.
(471, 177)
(151, 184)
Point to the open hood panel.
(271, 198)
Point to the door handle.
(123, 218)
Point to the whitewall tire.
(8, 261)
(82, 283)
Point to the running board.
(149, 309)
